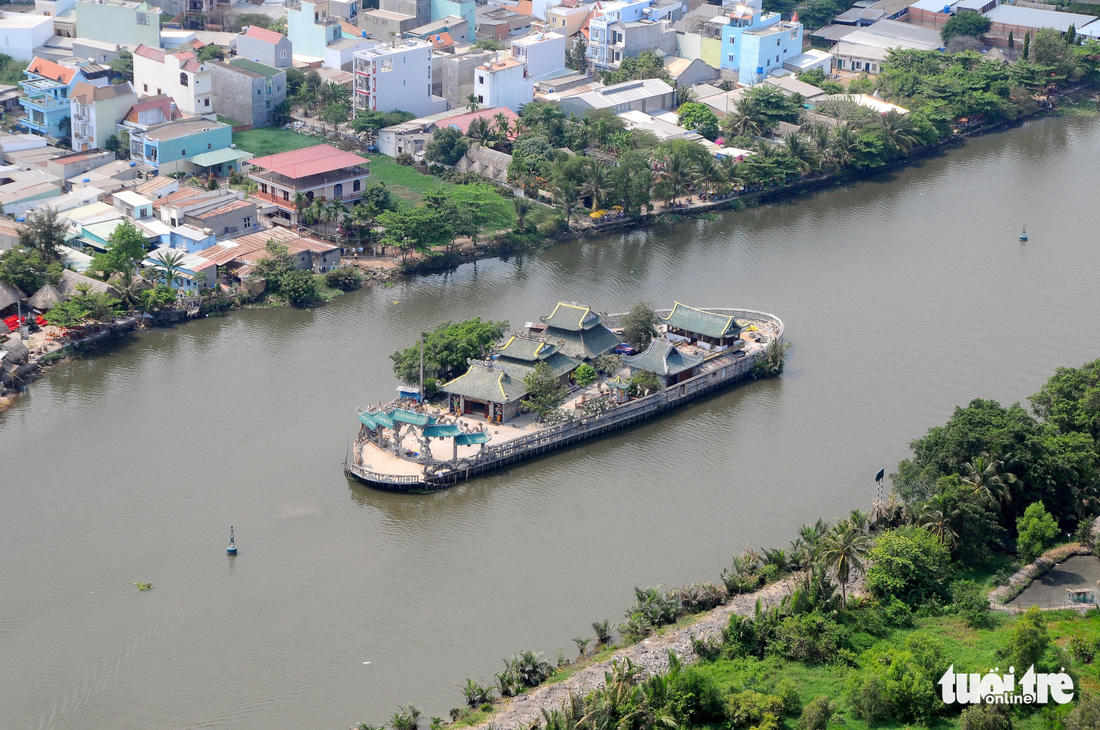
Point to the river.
(903, 296)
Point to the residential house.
(503, 83)
(489, 164)
(179, 75)
(132, 205)
(462, 8)
(444, 34)
(169, 147)
(699, 34)
(499, 23)
(9, 98)
(569, 16)
(756, 43)
(205, 14)
(648, 95)
(321, 171)
(542, 53)
(46, 101)
(76, 163)
(396, 76)
(119, 21)
(411, 137)
(455, 78)
(152, 110)
(96, 112)
(1019, 21)
(624, 29)
(102, 52)
(865, 48)
(247, 91)
(21, 33)
(190, 272)
(264, 46)
(689, 72)
(311, 29)
(22, 188)
(239, 255)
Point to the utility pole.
(421, 367)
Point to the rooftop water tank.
(87, 179)
(133, 164)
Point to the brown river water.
(903, 296)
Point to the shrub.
(655, 606)
(985, 717)
(816, 715)
(404, 158)
(299, 287)
(1081, 650)
(907, 563)
(903, 687)
(1037, 531)
(554, 223)
(810, 638)
(695, 699)
(1028, 642)
(346, 278)
(1086, 715)
(699, 597)
(970, 603)
(750, 708)
(407, 718)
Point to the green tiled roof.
(472, 438)
(585, 345)
(701, 322)
(382, 419)
(255, 67)
(619, 383)
(366, 420)
(488, 383)
(528, 350)
(416, 419)
(571, 317)
(441, 430)
(558, 363)
(662, 358)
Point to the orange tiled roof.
(51, 70)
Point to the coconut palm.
(986, 475)
(170, 264)
(842, 147)
(301, 202)
(729, 170)
(675, 177)
(594, 184)
(899, 130)
(802, 152)
(502, 125)
(522, 207)
(472, 103)
(710, 175)
(739, 124)
(479, 130)
(937, 516)
(843, 551)
(889, 513)
(566, 193)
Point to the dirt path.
(651, 655)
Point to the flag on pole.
(880, 475)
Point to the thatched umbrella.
(17, 351)
(45, 298)
(3, 328)
(9, 295)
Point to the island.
(489, 418)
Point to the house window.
(183, 79)
(208, 145)
(777, 41)
(338, 190)
(206, 102)
(145, 86)
(282, 54)
(183, 153)
(286, 195)
(226, 230)
(263, 188)
(730, 58)
(248, 221)
(356, 185)
(480, 99)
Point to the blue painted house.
(170, 146)
(755, 43)
(47, 108)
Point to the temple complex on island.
(484, 423)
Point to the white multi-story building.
(21, 33)
(179, 75)
(96, 110)
(396, 76)
(543, 53)
(503, 83)
(624, 29)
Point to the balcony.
(44, 103)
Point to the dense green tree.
(545, 393)
(335, 114)
(907, 563)
(447, 348)
(126, 248)
(585, 375)
(1027, 643)
(1036, 531)
(1070, 400)
(767, 106)
(25, 269)
(372, 121)
(640, 325)
(44, 231)
(643, 382)
(299, 287)
(700, 117)
(632, 183)
(646, 65)
(902, 685)
(446, 147)
(123, 65)
(67, 314)
(843, 551)
(345, 278)
(965, 24)
(415, 229)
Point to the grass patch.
(563, 673)
(1077, 108)
(402, 180)
(272, 140)
(229, 121)
(475, 717)
(142, 586)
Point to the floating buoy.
(1023, 234)
(232, 549)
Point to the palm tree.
(472, 103)
(503, 128)
(842, 147)
(937, 516)
(301, 201)
(802, 153)
(843, 551)
(566, 193)
(594, 184)
(710, 175)
(522, 207)
(899, 130)
(739, 124)
(248, 186)
(170, 263)
(676, 176)
(987, 477)
(479, 130)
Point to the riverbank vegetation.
(875, 607)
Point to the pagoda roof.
(662, 358)
(571, 317)
(472, 438)
(619, 383)
(701, 322)
(486, 382)
(527, 350)
(558, 363)
(585, 344)
(441, 430)
(411, 417)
